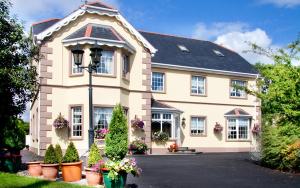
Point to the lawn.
(12, 180)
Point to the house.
(181, 86)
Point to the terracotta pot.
(34, 168)
(93, 178)
(50, 171)
(71, 171)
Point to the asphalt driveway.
(208, 170)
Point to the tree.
(280, 95)
(116, 141)
(18, 78)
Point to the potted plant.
(116, 169)
(34, 167)
(160, 137)
(94, 165)
(60, 122)
(59, 154)
(218, 128)
(115, 172)
(138, 147)
(71, 166)
(173, 147)
(50, 165)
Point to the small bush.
(71, 155)
(116, 141)
(291, 156)
(58, 153)
(50, 156)
(94, 156)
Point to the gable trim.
(87, 9)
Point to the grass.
(12, 180)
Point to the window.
(102, 117)
(163, 122)
(158, 81)
(218, 53)
(107, 63)
(76, 121)
(126, 64)
(75, 68)
(234, 92)
(183, 48)
(198, 85)
(197, 125)
(238, 128)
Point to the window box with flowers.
(160, 137)
(138, 147)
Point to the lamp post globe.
(77, 55)
(96, 54)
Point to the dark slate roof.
(95, 31)
(156, 104)
(43, 25)
(100, 4)
(200, 55)
(237, 112)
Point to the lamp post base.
(91, 137)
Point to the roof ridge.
(172, 35)
(46, 20)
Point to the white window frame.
(198, 126)
(237, 130)
(163, 82)
(161, 120)
(198, 85)
(105, 63)
(77, 124)
(234, 92)
(105, 114)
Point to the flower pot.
(34, 168)
(93, 178)
(119, 183)
(71, 171)
(50, 171)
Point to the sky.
(231, 23)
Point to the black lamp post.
(96, 54)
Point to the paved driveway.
(208, 170)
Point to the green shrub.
(94, 155)
(58, 153)
(71, 154)
(116, 141)
(279, 146)
(50, 156)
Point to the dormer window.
(218, 53)
(183, 48)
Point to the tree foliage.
(17, 77)
(71, 154)
(280, 99)
(116, 141)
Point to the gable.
(99, 9)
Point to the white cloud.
(236, 36)
(35, 10)
(208, 32)
(26, 115)
(282, 3)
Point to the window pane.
(197, 125)
(167, 128)
(106, 64)
(157, 81)
(237, 92)
(125, 65)
(243, 128)
(76, 121)
(102, 117)
(155, 116)
(232, 130)
(198, 85)
(155, 127)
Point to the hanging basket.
(256, 129)
(218, 128)
(60, 122)
(137, 124)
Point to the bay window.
(102, 117)
(107, 63)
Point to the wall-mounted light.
(183, 122)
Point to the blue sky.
(231, 23)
